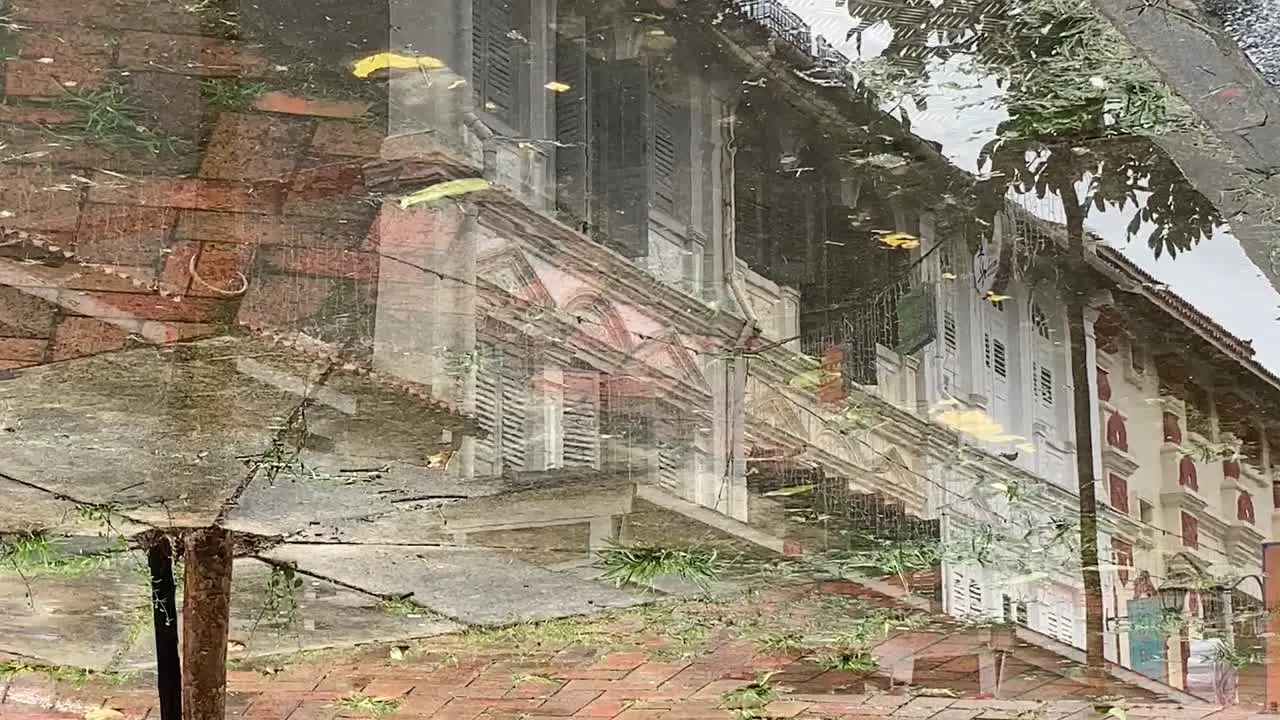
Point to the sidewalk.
(670, 661)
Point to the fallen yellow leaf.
(365, 67)
(457, 84)
(103, 714)
(899, 241)
(997, 297)
(449, 188)
(557, 86)
(948, 276)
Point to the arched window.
(1104, 385)
(1040, 321)
(1117, 435)
(1244, 507)
(1172, 432)
(1187, 473)
(1043, 364)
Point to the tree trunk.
(206, 617)
(1077, 291)
(164, 610)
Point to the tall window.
(500, 32)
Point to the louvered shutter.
(487, 411)
(573, 119)
(498, 48)
(619, 122)
(968, 594)
(670, 158)
(996, 358)
(670, 468)
(515, 418)
(581, 420)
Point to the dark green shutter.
(572, 124)
(497, 58)
(620, 169)
(917, 325)
(670, 158)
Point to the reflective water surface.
(626, 358)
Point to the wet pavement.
(806, 334)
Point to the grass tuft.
(372, 706)
(77, 677)
(32, 554)
(231, 94)
(642, 564)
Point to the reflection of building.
(665, 183)
(692, 199)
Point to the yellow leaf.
(1118, 713)
(948, 276)
(450, 188)
(557, 86)
(457, 84)
(103, 714)
(899, 241)
(788, 491)
(365, 67)
(997, 297)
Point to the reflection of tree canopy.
(1080, 105)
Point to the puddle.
(816, 329)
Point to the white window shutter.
(581, 420)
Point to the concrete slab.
(83, 620)
(28, 510)
(101, 619)
(476, 586)
(486, 507)
(170, 433)
(327, 615)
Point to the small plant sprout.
(642, 564)
(369, 706)
(404, 605)
(231, 94)
(858, 661)
(753, 696)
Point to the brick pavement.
(629, 665)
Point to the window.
(1146, 512)
(1187, 473)
(1135, 359)
(1172, 432)
(1014, 611)
(670, 157)
(499, 52)
(1043, 382)
(622, 148)
(1117, 435)
(1244, 507)
(967, 595)
(996, 358)
(1039, 321)
(502, 391)
(581, 419)
(1122, 555)
(1118, 492)
(1190, 531)
(949, 330)
(1104, 385)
